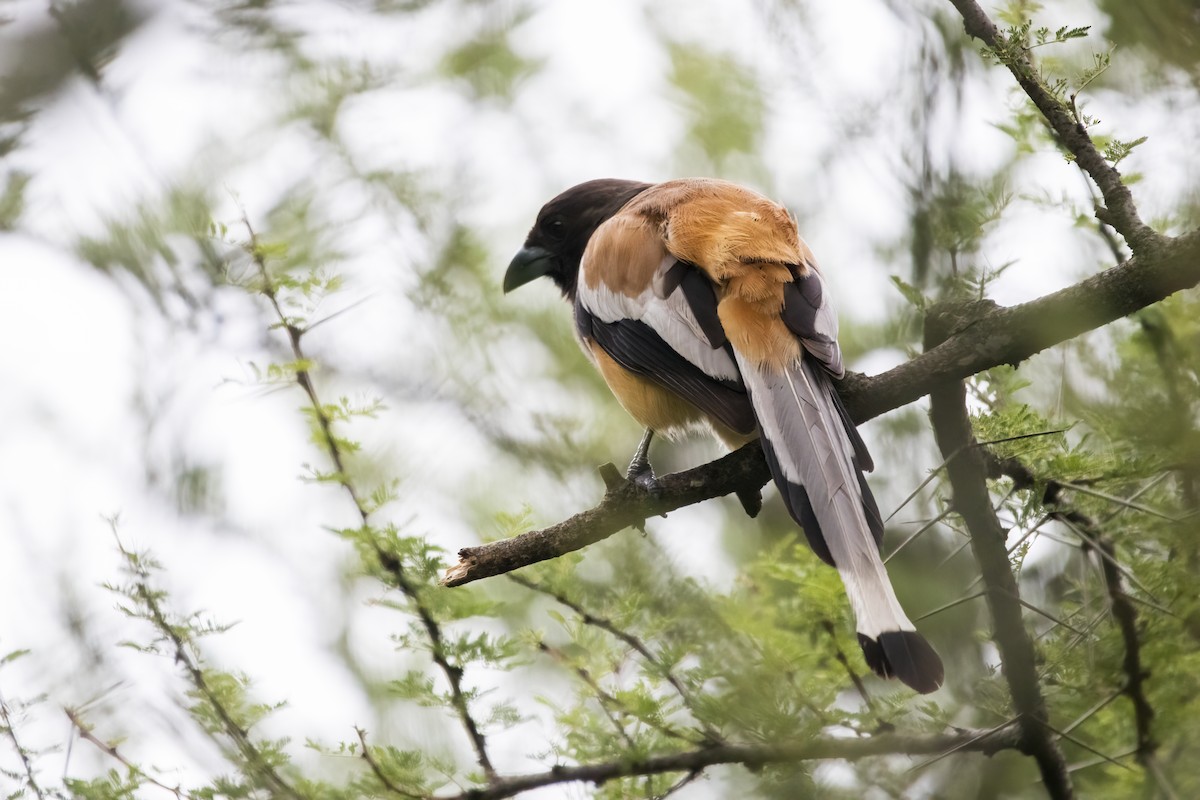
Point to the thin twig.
(377, 769)
(636, 644)
(1080, 743)
(1125, 616)
(606, 701)
(393, 566)
(1091, 712)
(610, 704)
(927, 526)
(1112, 498)
(1160, 778)
(1012, 548)
(1120, 602)
(950, 605)
(1057, 621)
(1094, 545)
(1065, 650)
(10, 730)
(933, 473)
(1095, 762)
(112, 752)
(964, 745)
(182, 652)
(310, 327)
(1121, 212)
(953, 554)
(679, 784)
(840, 655)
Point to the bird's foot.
(642, 474)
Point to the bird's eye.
(554, 227)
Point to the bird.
(702, 308)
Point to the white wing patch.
(670, 317)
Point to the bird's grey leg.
(640, 471)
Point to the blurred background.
(406, 147)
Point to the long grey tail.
(816, 458)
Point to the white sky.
(94, 378)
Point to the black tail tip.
(904, 655)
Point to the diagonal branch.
(377, 768)
(995, 335)
(968, 480)
(625, 505)
(1120, 213)
(8, 728)
(111, 750)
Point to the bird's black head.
(558, 238)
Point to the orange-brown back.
(748, 246)
(720, 226)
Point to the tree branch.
(987, 742)
(85, 733)
(996, 335)
(967, 470)
(1008, 335)
(1120, 213)
(377, 768)
(9, 729)
(1123, 611)
(258, 764)
(394, 569)
(625, 504)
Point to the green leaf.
(911, 293)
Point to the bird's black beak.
(532, 262)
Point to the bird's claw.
(641, 474)
(648, 482)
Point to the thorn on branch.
(751, 500)
(611, 476)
